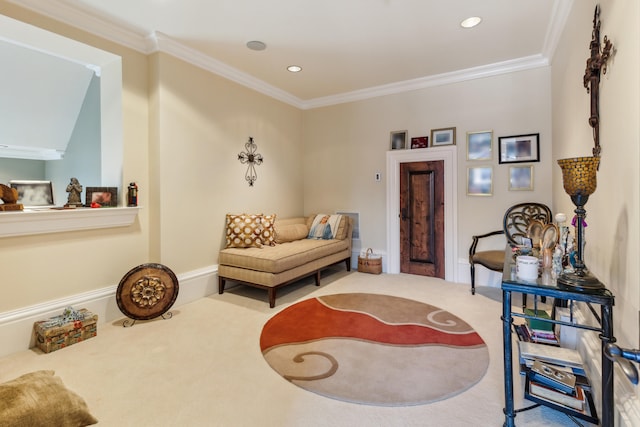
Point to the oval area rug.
(374, 349)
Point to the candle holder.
(579, 181)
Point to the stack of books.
(539, 330)
(525, 333)
(555, 377)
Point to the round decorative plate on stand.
(147, 291)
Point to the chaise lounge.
(290, 257)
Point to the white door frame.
(394, 159)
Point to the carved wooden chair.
(514, 226)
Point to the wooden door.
(422, 218)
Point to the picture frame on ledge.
(419, 142)
(444, 136)
(519, 148)
(480, 181)
(104, 196)
(399, 140)
(479, 145)
(34, 194)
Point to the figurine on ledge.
(10, 198)
(74, 189)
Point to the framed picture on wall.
(519, 148)
(399, 140)
(34, 194)
(104, 196)
(444, 136)
(480, 181)
(521, 178)
(479, 145)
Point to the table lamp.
(579, 181)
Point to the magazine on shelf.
(587, 412)
(581, 376)
(574, 402)
(561, 356)
(549, 376)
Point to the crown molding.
(76, 17)
(559, 17)
(511, 66)
(64, 11)
(167, 45)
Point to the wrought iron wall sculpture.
(252, 159)
(596, 64)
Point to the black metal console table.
(546, 287)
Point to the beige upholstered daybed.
(283, 253)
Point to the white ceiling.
(347, 48)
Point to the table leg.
(608, 401)
(509, 412)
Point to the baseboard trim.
(16, 326)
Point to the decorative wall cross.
(596, 63)
(252, 159)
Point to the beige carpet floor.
(203, 367)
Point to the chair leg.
(473, 279)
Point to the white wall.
(183, 128)
(613, 211)
(42, 268)
(345, 145)
(20, 169)
(203, 122)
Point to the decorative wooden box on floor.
(370, 263)
(62, 331)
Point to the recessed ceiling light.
(256, 45)
(471, 22)
(294, 68)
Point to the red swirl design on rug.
(285, 328)
(374, 349)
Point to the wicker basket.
(370, 263)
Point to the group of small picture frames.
(439, 137)
(511, 149)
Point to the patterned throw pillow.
(244, 231)
(268, 234)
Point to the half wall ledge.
(57, 221)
